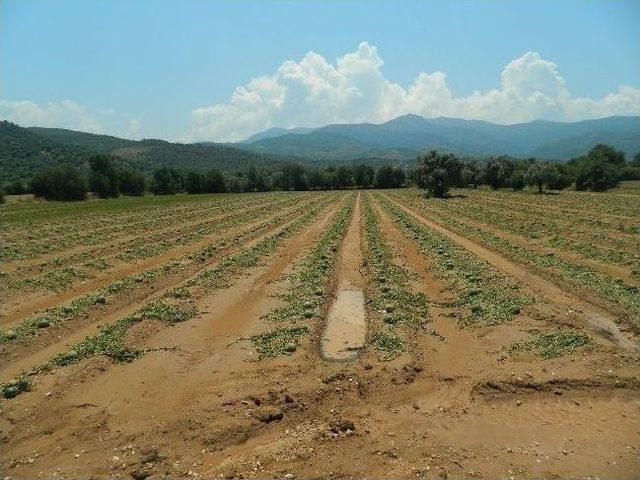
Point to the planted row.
(610, 289)
(304, 294)
(393, 299)
(491, 298)
(176, 306)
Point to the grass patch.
(388, 344)
(283, 341)
(552, 344)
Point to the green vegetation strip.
(393, 298)
(551, 344)
(611, 289)
(490, 297)
(176, 306)
(80, 305)
(304, 293)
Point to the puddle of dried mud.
(346, 330)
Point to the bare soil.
(202, 404)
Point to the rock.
(288, 399)
(150, 456)
(268, 414)
(341, 425)
(140, 474)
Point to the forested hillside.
(25, 151)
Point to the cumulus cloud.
(65, 113)
(71, 115)
(313, 92)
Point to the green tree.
(541, 174)
(167, 181)
(194, 182)
(389, 176)
(132, 182)
(256, 180)
(17, 187)
(103, 178)
(214, 182)
(291, 177)
(437, 173)
(498, 171)
(471, 174)
(363, 176)
(600, 169)
(60, 182)
(343, 177)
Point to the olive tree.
(437, 173)
(542, 174)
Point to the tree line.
(106, 178)
(599, 170)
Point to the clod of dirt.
(341, 425)
(150, 456)
(140, 474)
(268, 414)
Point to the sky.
(193, 70)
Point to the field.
(337, 334)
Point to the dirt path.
(346, 329)
(600, 321)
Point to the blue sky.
(169, 69)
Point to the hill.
(405, 136)
(24, 151)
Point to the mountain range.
(24, 151)
(403, 137)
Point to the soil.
(201, 404)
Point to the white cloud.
(68, 114)
(313, 92)
(64, 114)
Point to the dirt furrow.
(346, 325)
(26, 355)
(600, 320)
(29, 304)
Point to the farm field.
(372, 333)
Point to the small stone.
(341, 425)
(140, 474)
(268, 414)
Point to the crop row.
(490, 297)
(304, 294)
(613, 291)
(176, 306)
(129, 284)
(392, 299)
(62, 278)
(36, 242)
(620, 252)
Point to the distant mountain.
(405, 136)
(276, 132)
(24, 151)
